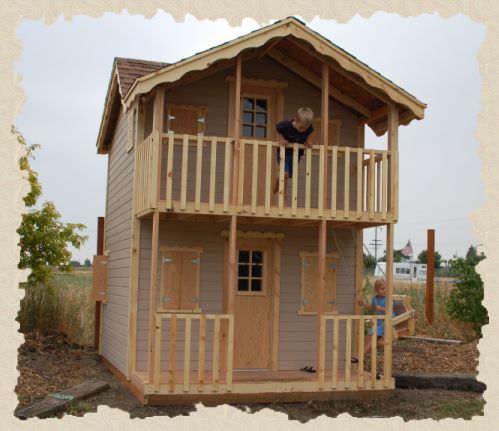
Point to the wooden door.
(253, 304)
(333, 133)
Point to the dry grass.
(67, 308)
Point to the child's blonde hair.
(378, 283)
(305, 115)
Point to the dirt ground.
(52, 364)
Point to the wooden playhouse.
(212, 288)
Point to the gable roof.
(135, 77)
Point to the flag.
(407, 250)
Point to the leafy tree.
(397, 256)
(369, 263)
(75, 263)
(87, 263)
(465, 300)
(44, 238)
(422, 258)
(472, 255)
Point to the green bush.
(465, 300)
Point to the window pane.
(248, 117)
(261, 105)
(243, 271)
(247, 131)
(256, 285)
(244, 256)
(242, 285)
(256, 271)
(260, 132)
(248, 103)
(261, 119)
(257, 257)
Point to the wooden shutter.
(310, 283)
(99, 277)
(180, 279)
(189, 120)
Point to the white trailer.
(409, 271)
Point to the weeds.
(64, 307)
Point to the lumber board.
(56, 402)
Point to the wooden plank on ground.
(54, 403)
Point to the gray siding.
(114, 340)
(213, 92)
(297, 333)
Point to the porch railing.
(195, 176)
(344, 328)
(216, 331)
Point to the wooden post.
(323, 223)
(153, 293)
(158, 119)
(389, 303)
(393, 121)
(231, 279)
(430, 273)
(100, 251)
(236, 130)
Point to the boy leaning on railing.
(297, 130)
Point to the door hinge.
(165, 299)
(166, 260)
(305, 301)
(195, 300)
(195, 261)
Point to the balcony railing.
(193, 174)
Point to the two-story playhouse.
(215, 290)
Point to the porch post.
(153, 294)
(323, 230)
(389, 304)
(158, 119)
(134, 256)
(393, 122)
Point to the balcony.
(186, 174)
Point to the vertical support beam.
(393, 122)
(360, 158)
(323, 224)
(389, 304)
(231, 279)
(321, 286)
(236, 131)
(325, 125)
(430, 273)
(359, 281)
(100, 251)
(134, 292)
(157, 122)
(153, 293)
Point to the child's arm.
(370, 307)
(281, 139)
(309, 143)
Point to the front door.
(253, 304)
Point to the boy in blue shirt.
(297, 130)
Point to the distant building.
(410, 271)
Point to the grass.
(66, 307)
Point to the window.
(255, 117)
(250, 271)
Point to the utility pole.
(376, 243)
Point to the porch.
(187, 175)
(198, 364)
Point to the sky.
(65, 70)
